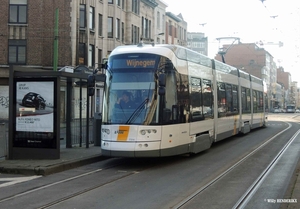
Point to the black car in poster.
(32, 99)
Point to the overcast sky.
(270, 21)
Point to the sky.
(253, 21)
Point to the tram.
(164, 100)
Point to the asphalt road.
(164, 182)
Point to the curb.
(47, 170)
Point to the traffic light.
(91, 85)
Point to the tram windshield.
(131, 89)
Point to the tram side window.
(222, 108)
(196, 99)
(244, 99)
(207, 96)
(246, 105)
(260, 105)
(171, 95)
(254, 94)
(248, 95)
(183, 98)
(235, 99)
(229, 98)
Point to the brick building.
(252, 59)
(88, 30)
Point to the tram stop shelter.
(39, 101)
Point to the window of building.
(100, 27)
(82, 16)
(18, 11)
(118, 2)
(135, 6)
(163, 22)
(92, 18)
(170, 28)
(134, 34)
(158, 20)
(81, 54)
(17, 51)
(123, 32)
(146, 27)
(110, 1)
(110, 27)
(123, 4)
(118, 28)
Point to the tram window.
(171, 95)
(245, 100)
(222, 109)
(196, 99)
(260, 102)
(248, 96)
(207, 98)
(235, 99)
(229, 98)
(254, 101)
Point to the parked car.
(297, 111)
(32, 99)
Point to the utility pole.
(55, 48)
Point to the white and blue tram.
(181, 102)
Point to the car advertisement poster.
(34, 108)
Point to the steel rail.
(200, 190)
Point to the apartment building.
(255, 60)
(285, 79)
(87, 32)
(197, 42)
(176, 29)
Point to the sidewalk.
(69, 158)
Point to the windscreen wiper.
(137, 111)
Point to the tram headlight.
(149, 131)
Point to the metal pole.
(87, 119)
(55, 50)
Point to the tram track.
(125, 173)
(116, 166)
(246, 197)
(74, 178)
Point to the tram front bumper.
(130, 149)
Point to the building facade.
(254, 60)
(88, 30)
(197, 42)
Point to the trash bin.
(97, 129)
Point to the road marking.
(15, 180)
